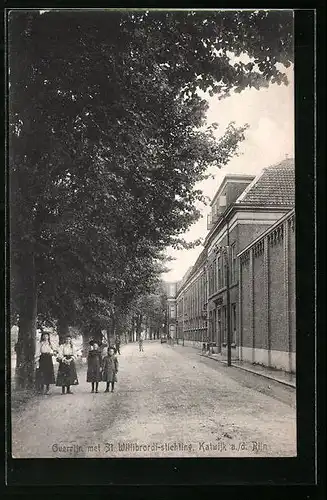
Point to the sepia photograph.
(151, 165)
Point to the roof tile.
(274, 186)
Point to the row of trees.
(107, 141)
(147, 312)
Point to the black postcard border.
(66, 474)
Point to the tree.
(113, 101)
(149, 310)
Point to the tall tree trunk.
(88, 332)
(86, 338)
(62, 328)
(25, 349)
(111, 332)
(117, 330)
(132, 330)
(97, 333)
(138, 325)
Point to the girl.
(110, 369)
(45, 363)
(94, 361)
(67, 375)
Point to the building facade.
(171, 317)
(243, 209)
(267, 297)
(192, 304)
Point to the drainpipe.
(183, 319)
(229, 349)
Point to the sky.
(268, 140)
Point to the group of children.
(101, 369)
(98, 368)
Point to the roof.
(274, 186)
(200, 261)
(231, 178)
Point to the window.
(219, 273)
(198, 297)
(224, 277)
(210, 326)
(214, 265)
(222, 202)
(214, 212)
(172, 311)
(224, 325)
(219, 325)
(210, 280)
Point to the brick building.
(243, 208)
(267, 297)
(192, 302)
(171, 290)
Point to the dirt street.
(168, 402)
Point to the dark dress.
(46, 371)
(67, 374)
(94, 359)
(110, 368)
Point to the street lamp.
(225, 249)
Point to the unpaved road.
(169, 402)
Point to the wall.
(191, 301)
(267, 298)
(264, 298)
(171, 317)
(259, 312)
(234, 190)
(240, 235)
(277, 309)
(292, 283)
(250, 232)
(246, 329)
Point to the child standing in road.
(94, 362)
(45, 363)
(110, 369)
(66, 375)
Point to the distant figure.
(117, 342)
(94, 362)
(141, 339)
(46, 372)
(110, 369)
(67, 374)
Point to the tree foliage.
(107, 141)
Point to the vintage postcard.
(152, 233)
